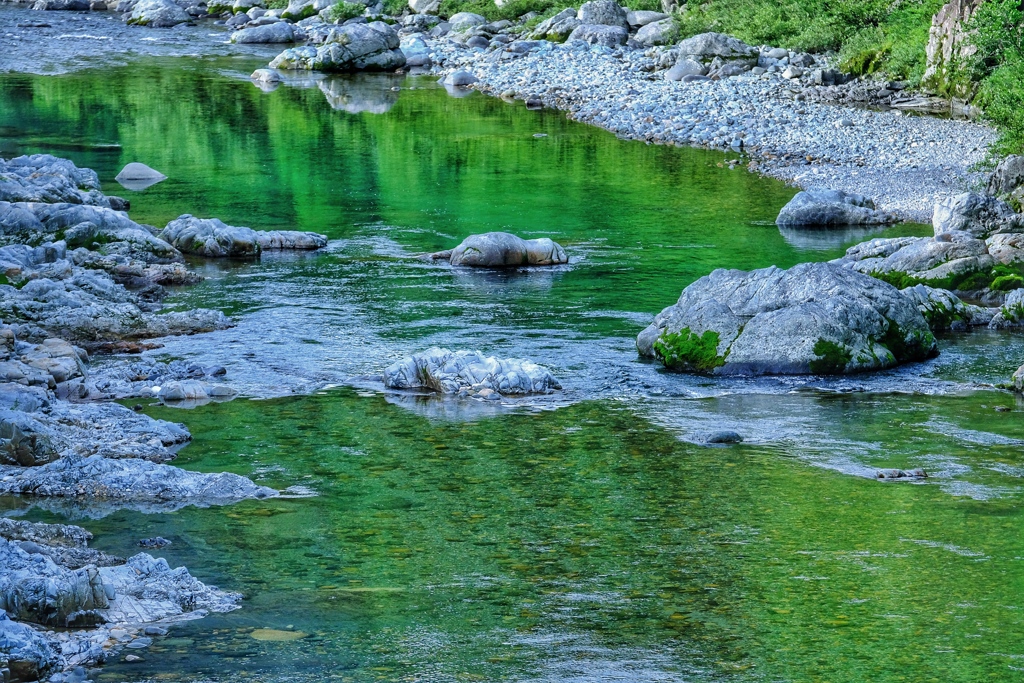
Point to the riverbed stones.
(278, 32)
(471, 372)
(815, 318)
(979, 215)
(374, 46)
(820, 207)
(503, 250)
(461, 21)
(158, 14)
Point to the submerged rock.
(128, 481)
(502, 250)
(353, 47)
(451, 372)
(211, 237)
(827, 208)
(815, 318)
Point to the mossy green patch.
(907, 346)
(832, 358)
(686, 350)
(1006, 283)
(341, 12)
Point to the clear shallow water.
(579, 537)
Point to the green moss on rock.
(688, 351)
(832, 358)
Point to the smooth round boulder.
(137, 176)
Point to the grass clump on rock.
(343, 11)
(833, 358)
(686, 350)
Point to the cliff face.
(947, 46)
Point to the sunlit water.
(585, 536)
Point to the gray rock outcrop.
(278, 32)
(452, 372)
(722, 54)
(211, 237)
(604, 13)
(353, 47)
(503, 250)
(1007, 181)
(815, 318)
(158, 14)
(46, 178)
(948, 46)
(979, 215)
(24, 652)
(826, 208)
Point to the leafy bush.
(997, 30)
(341, 12)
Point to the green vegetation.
(869, 35)
(341, 12)
(907, 347)
(1005, 283)
(686, 350)
(833, 358)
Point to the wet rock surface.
(469, 373)
(503, 250)
(825, 208)
(811, 319)
(211, 237)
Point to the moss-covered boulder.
(815, 318)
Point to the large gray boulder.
(815, 318)
(557, 28)
(211, 237)
(639, 18)
(24, 441)
(278, 32)
(462, 21)
(1007, 181)
(158, 14)
(450, 372)
(353, 47)
(685, 67)
(46, 178)
(943, 310)
(503, 250)
(34, 588)
(943, 261)
(661, 32)
(600, 34)
(705, 47)
(24, 651)
(102, 229)
(602, 12)
(827, 208)
(979, 215)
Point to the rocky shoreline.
(79, 274)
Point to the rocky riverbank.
(79, 276)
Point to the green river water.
(582, 537)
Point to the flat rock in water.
(449, 372)
(276, 635)
(503, 250)
(815, 318)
